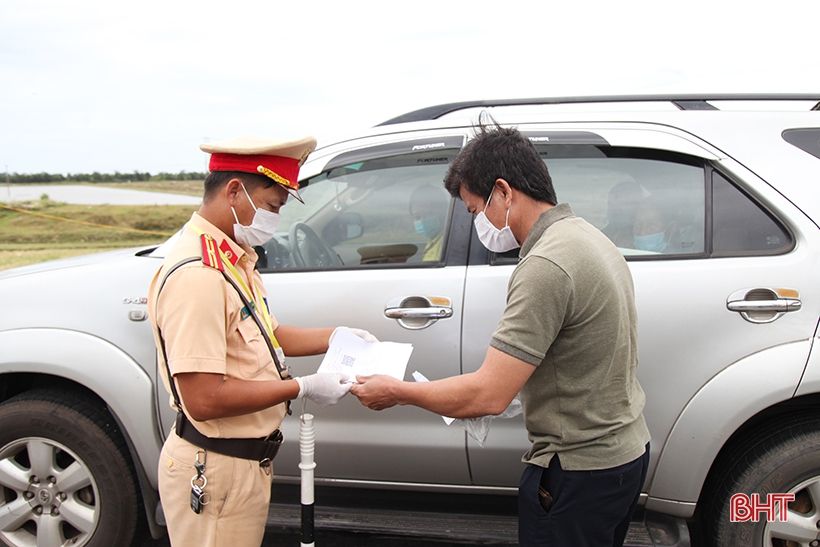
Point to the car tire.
(783, 458)
(88, 495)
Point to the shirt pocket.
(253, 356)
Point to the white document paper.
(352, 356)
(419, 377)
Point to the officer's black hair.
(217, 179)
(500, 152)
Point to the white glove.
(323, 388)
(361, 333)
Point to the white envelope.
(352, 356)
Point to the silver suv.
(712, 199)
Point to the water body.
(92, 195)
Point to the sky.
(107, 85)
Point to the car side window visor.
(359, 160)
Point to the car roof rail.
(683, 102)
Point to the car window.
(806, 139)
(380, 212)
(742, 227)
(653, 205)
(650, 204)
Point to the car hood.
(95, 294)
(73, 262)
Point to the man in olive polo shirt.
(567, 341)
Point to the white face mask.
(262, 227)
(497, 240)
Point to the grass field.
(45, 230)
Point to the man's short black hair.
(217, 179)
(500, 152)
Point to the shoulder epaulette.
(228, 253)
(210, 253)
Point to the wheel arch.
(711, 519)
(101, 373)
(770, 420)
(758, 387)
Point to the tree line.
(116, 176)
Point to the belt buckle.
(265, 464)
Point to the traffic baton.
(307, 441)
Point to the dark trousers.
(589, 508)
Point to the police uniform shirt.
(205, 329)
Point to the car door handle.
(418, 312)
(782, 306)
(763, 305)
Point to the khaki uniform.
(205, 330)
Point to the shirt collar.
(232, 250)
(547, 219)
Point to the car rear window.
(806, 139)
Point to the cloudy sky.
(110, 85)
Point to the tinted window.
(650, 204)
(379, 212)
(647, 206)
(740, 226)
(807, 140)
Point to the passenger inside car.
(622, 205)
(428, 209)
(651, 231)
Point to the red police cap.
(276, 160)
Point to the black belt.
(261, 450)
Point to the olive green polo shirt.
(571, 314)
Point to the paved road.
(92, 195)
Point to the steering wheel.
(308, 249)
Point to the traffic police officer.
(217, 339)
